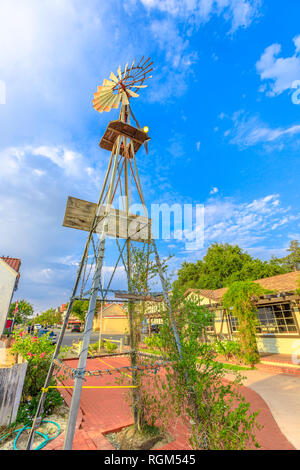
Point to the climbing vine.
(239, 301)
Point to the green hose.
(44, 435)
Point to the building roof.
(207, 293)
(112, 310)
(14, 263)
(280, 283)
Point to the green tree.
(222, 265)
(50, 317)
(79, 309)
(292, 260)
(25, 310)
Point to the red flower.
(43, 354)
(30, 354)
(34, 339)
(21, 333)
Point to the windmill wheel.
(121, 87)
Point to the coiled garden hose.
(47, 439)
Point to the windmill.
(101, 220)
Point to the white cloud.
(240, 12)
(245, 224)
(248, 224)
(34, 185)
(198, 145)
(297, 43)
(248, 131)
(279, 72)
(176, 24)
(64, 158)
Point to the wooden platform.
(116, 128)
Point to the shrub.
(38, 353)
(94, 347)
(228, 348)
(28, 408)
(154, 342)
(110, 347)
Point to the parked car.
(75, 328)
(52, 336)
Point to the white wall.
(7, 284)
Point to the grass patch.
(235, 366)
(151, 351)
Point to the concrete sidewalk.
(282, 395)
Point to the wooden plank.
(148, 298)
(80, 214)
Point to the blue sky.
(225, 130)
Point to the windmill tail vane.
(122, 86)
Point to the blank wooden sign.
(80, 215)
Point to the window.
(210, 328)
(274, 318)
(233, 323)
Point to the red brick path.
(106, 410)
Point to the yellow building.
(278, 313)
(114, 320)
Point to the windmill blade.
(122, 86)
(149, 58)
(131, 67)
(108, 83)
(144, 70)
(119, 72)
(101, 99)
(116, 102)
(125, 70)
(107, 100)
(104, 100)
(113, 77)
(103, 92)
(107, 108)
(132, 93)
(124, 98)
(140, 60)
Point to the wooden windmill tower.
(101, 220)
